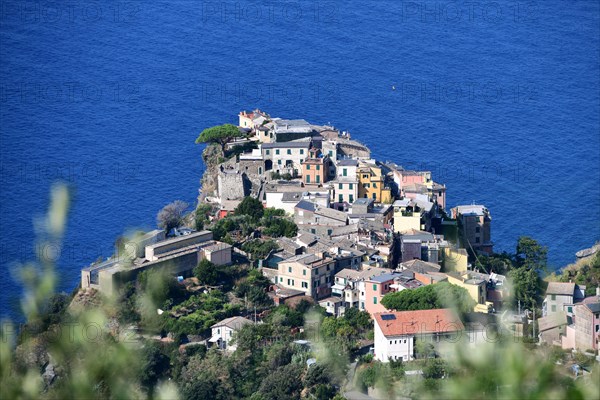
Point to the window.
(268, 152)
(570, 309)
(340, 198)
(307, 178)
(318, 177)
(344, 172)
(260, 170)
(279, 162)
(375, 184)
(316, 271)
(304, 272)
(290, 270)
(341, 186)
(374, 286)
(330, 153)
(277, 151)
(390, 342)
(289, 280)
(350, 186)
(289, 151)
(476, 240)
(307, 166)
(218, 330)
(351, 198)
(553, 297)
(305, 285)
(553, 308)
(301, 151)
(318, 167)
(374, 196)
(374, 300)
(329, 232)
(313, 231)
(597, 328)
(280, 279)
(362, 305)
(477, 229)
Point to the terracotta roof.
(418, 322)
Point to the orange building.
(315, 168)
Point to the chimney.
(598, 291)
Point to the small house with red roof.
(397, 333)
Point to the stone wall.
(231, 185)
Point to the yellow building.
(405, 218)
(455, 260)
(475, 286)
(371, 183)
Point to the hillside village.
(365, 235)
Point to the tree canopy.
(439, 295)
(531, 254)
(251, 207)
(220, 134)
(206, 272)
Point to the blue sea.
(500, 100)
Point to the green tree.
(530, 254)
(206, 272)
(439, 295)
(154, 365)
(220, 134)
(201, 215)
(526, 286)
(282, 383)
(251, 207)
(435, 368)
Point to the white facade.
(222, 332)
(286, 157)
(345, 190)
(223, 336)
(275, 200)
(394, 347)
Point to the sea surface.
(500, 100)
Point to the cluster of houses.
(570, 319)
(366, 228)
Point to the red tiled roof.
(418, 322)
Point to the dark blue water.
(499, 100)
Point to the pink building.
(584, 333)
(375, 289)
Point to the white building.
(285, 157)
(222, 332)
(345, 186)
(397, 333)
